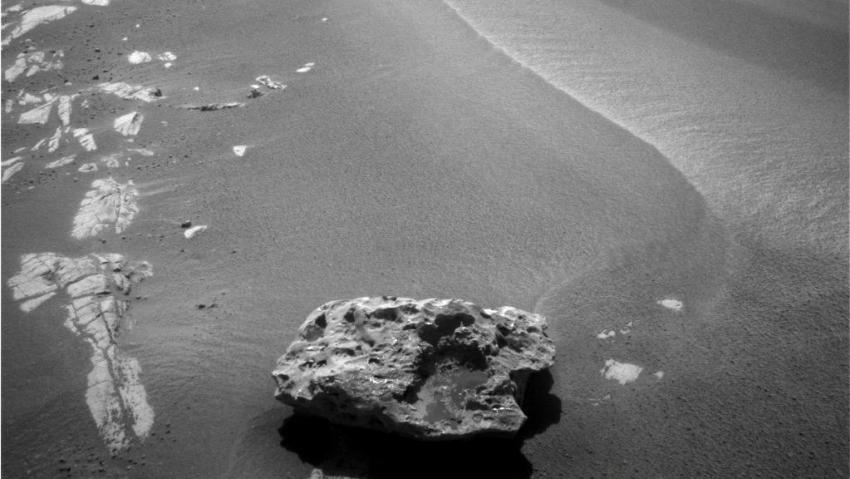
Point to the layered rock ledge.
(429, 369)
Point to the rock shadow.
(541, 406)
(362, 453)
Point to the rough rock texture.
(430, 369)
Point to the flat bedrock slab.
(435, 369)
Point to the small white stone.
(60, 162)
(141, 151)
(190, 232)
(139, 57)
(306, 68)
(87, 168)
(606, 333)
(624, 373)
(111, 161)
(166, 57)
(8, 172)
(129, 124)
(672, 304)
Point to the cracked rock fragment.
(35, 17)
(92, 286)
(9, 171)
(429, 369)
(60, 162)
(85, 138)
(64, 109)
(38, 115)
(131, 92)
(53, 142)
(107, 203)
(33, 62)
(129, 124)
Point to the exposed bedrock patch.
(93, 287)
(30, 19)
(131, 92)
(430, 369)
(31, 62)
(107, 203)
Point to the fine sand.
(700, 320)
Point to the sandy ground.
(411, 158)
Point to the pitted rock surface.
(429, 369)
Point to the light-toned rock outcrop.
(92, 287)
(108, 203)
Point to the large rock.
(430, 369)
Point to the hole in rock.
(444, 325)
(386, 314)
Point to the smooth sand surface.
(411, 157)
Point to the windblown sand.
(183, 183)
